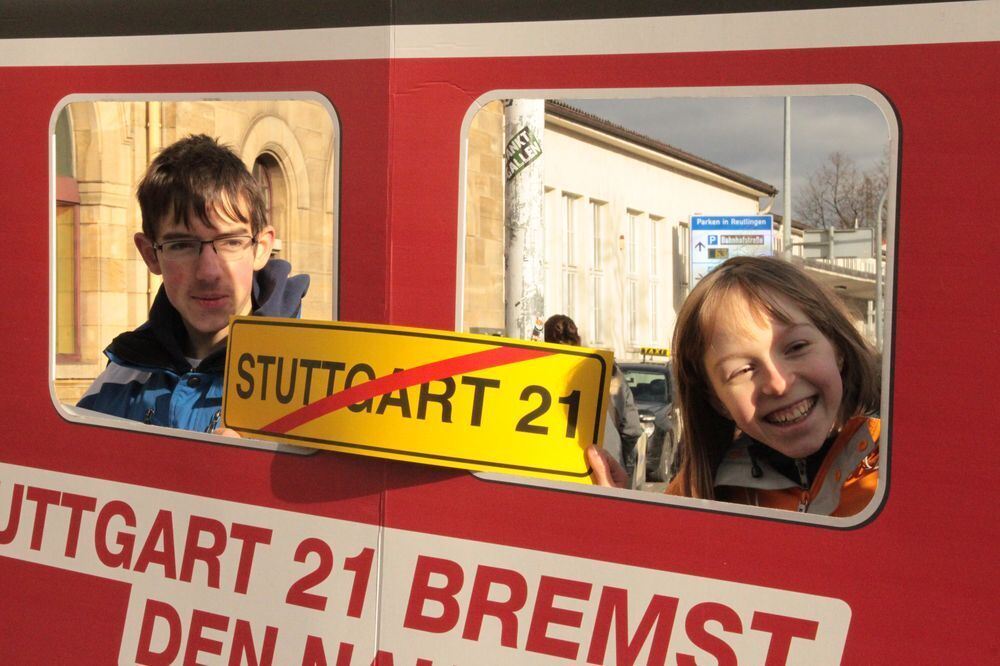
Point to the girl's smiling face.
(779, 382)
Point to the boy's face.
(207, 288)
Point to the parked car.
(652, 389)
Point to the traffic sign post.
(715, 238)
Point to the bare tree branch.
(839, 195)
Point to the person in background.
(623, 417)
(205, 232)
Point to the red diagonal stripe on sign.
(448, 367)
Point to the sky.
(747, 133)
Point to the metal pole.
(524, 249)
(786, 218)
(871, 317)
(879, 297)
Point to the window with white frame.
(655, 261)
(597, 209)
(569, 294)
(552, 263)
(569, 230)
(596, 314)
(684, 247)
(569, 254)
(633, 312)
(597, 226)
(634, 223)
(654, 245)
(656, 335)
(633, 241)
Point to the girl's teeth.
(793, 413)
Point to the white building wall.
(634, 198)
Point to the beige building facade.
(616, 212)
(102, 149)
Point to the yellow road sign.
(458, 400)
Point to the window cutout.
(101, 149)
(622, 175)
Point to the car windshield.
(648, 383)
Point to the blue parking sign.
(715, 238)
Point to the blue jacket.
(149, 379)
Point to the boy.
(204, 230)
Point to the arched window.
(269, 175)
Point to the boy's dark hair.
(199, 174)
(562, 330)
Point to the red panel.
(59, 617)
(919, 578)
(920, 548)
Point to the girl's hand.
(605, 470)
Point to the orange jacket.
(843, 486)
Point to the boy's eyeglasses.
(230, 248)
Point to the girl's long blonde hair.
(758, 281)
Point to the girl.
(777, 392)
